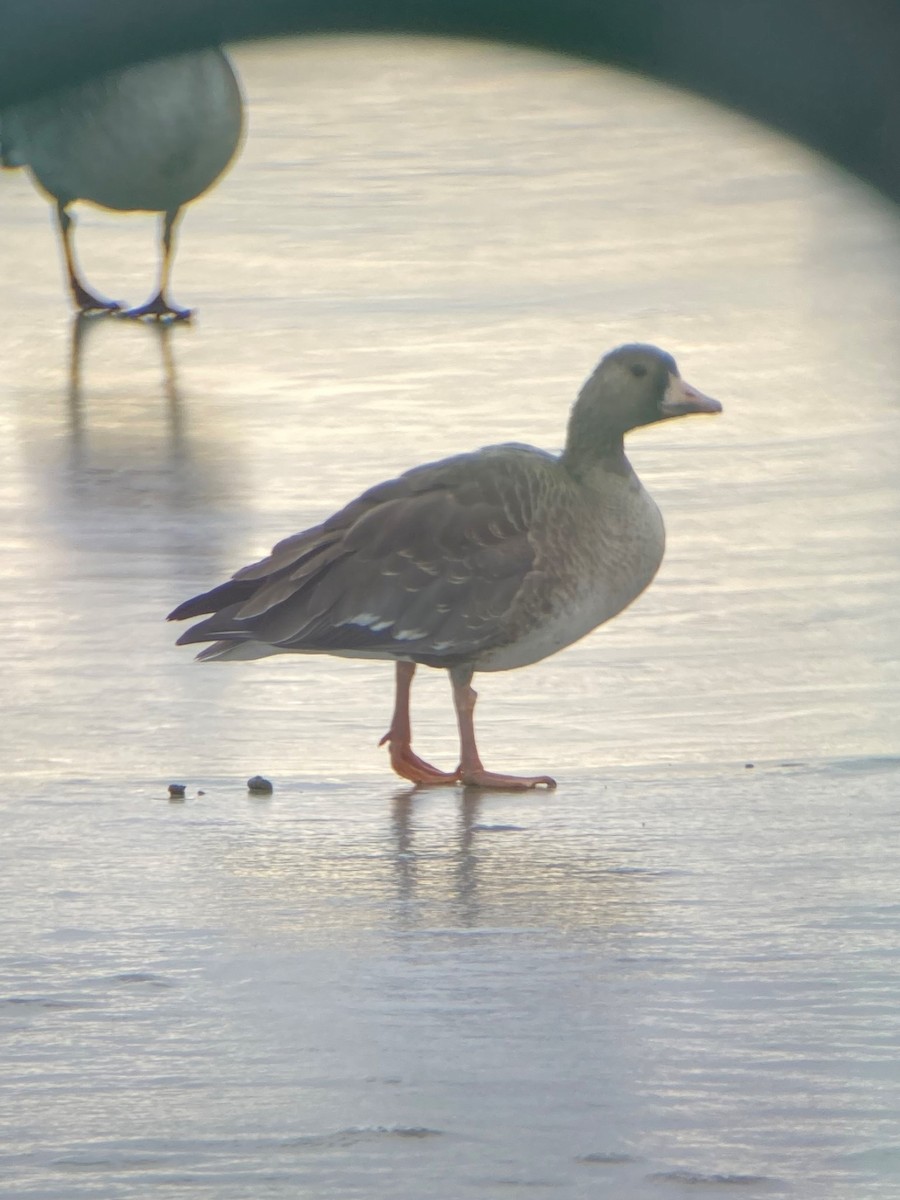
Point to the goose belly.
(588, 585)
(151, 137)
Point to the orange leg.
(399, 737)
(471, 769)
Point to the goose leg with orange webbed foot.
(159, 307)
(471, 769)
(399, 737)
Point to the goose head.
(631, 386)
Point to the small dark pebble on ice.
(749, 766)
(176, 791)
(258, 784)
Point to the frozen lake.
(676, 975)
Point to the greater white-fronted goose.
(481, 562)
(148, 138)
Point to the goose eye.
(638, 370)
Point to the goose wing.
(427, 566)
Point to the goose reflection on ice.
(460, 861)
(81, 333)
(116, 458)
